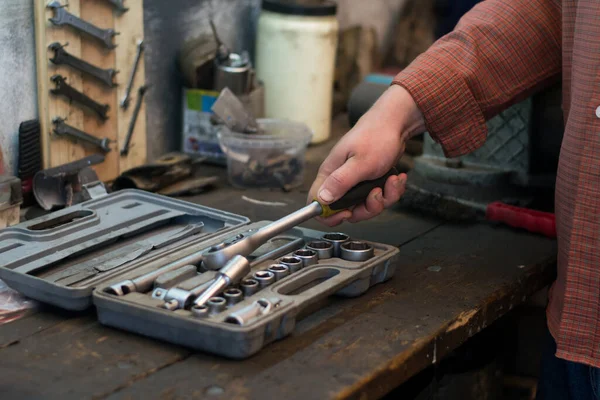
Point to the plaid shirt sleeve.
(500, 53)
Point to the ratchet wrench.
(219, 256)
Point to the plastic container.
(295, 59)
(272, 159)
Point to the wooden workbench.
(352, 348)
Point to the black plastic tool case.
(69, 258)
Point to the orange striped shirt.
(500, 53)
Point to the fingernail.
(378, 196)
(398, 182)
(325, 195)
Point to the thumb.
(341, 180)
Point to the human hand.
(369, 150)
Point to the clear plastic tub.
(272, 159)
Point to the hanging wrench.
(63, 17)
(62, 129)
(138, 56)
(64, 89)
(136, 111)
(61, 57)
(118, 5)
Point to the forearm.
(500, 53)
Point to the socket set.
(262, 307)
(138, 258)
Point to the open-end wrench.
(138, 56)
(63, 17)
(136, 111)
(64, 89)
(62, 129)
(218, 257)
(176, 298)
(118, 5)
(61, 57)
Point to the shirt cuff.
(451, 113)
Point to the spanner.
(64, 89)
(118, 5)
(63, 17)
(61, 57)
(62, 129)
(136, 111)
(217, 257)
(138, 56)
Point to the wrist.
(401, 111)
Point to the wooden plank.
(79, 359)
(41, 51)
(130, 26)
(364, 347)
(100, 14)
(13, 332)
(55, 356)
(57, 151)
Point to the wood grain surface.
(452, 281)
(130, 28)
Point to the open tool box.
(137, 257)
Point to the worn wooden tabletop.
(451, 282)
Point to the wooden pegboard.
(130, 28)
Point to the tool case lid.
(61, 257)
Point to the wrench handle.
(136, 62)
(105, 75)
(357, 195)
(63, 17)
